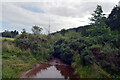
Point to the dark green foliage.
(79, 30)
(9, 34)
(98, 19)
(94, 53)
(38, 44)
(36, 29)
(63, 31)
(113, 20)
(23, 31)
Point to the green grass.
(15, 60)
(13, 66)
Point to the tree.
(14, 33)
(63, 32)
(36, 29)
(98, 18)
(113, 20)
(10, 34)
(72, 35)
(7, 34)
(23, 31)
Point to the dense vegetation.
(10, 34)
(92, 50)
(96, 54)
(22, 53)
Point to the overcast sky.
(19, 14)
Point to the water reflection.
(51, 69)
(50, 72)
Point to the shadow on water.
(51, 69)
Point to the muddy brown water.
(54, 68)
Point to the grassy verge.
(15, 60)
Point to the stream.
(54, 68)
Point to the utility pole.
(49, 36)
(49, 27)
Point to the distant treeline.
(10, 34)
(81, 29)
(112, 21)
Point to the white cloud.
(62, 14)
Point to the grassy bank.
(16, 60)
